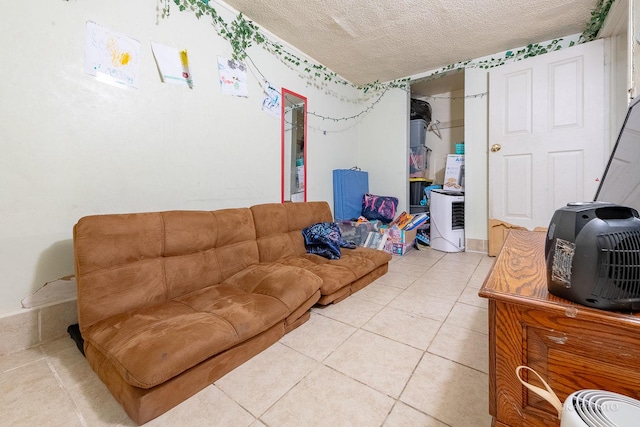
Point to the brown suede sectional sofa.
(168, 302)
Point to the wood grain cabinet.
(572, 346)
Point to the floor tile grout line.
(13, 368)
(399, 399)
(413, 372)
(380, 335)
(457, 363)
(76, 408)
(330, 353)
(420, 411)
(237, 403)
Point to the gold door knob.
(495, 148)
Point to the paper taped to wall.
(173, 64)
(111, 57)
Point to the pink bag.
(381, 208)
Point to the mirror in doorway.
(294, 152)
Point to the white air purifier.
(447, 221)
(588, 407)
(599, 408)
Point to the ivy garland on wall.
(598, 15)
(594, 25)
(242, 34)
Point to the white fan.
(589, 408)
(599, 408)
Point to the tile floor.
(408, 350)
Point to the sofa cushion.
(279, 227)
(112, 252)
(203, 248)
(279, 232)
(153, 344)
(377, 257)
(292, 286)
(125, 262)
(248, 313)
(336, 274)
(333, 276)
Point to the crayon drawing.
(111, 57)
(233, 77)
(271, 101)
(173, 64)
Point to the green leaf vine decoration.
(590, 33)
(242, 34)
(530, 50)
(598, 15)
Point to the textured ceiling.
(380, 40)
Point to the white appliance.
(588, 408)
(447, 221)
(599, 408)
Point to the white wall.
(73, 146)
(448, 109)
(476, 134)
(384, 146)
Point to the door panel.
(566, 170)
(518, 184)
(546, 134)
(518, 105)
(565, 87)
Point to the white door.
(546, 134)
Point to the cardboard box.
(454, 173)
(401, 248)
(399, 242)
(498, 231)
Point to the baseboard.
(477, 245)
(34, 326)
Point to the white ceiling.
(365, 41)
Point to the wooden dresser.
(571, 346)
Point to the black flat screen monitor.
(620, 182)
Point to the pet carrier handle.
(547, 394)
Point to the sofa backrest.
(279, 227)
(125, 262)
